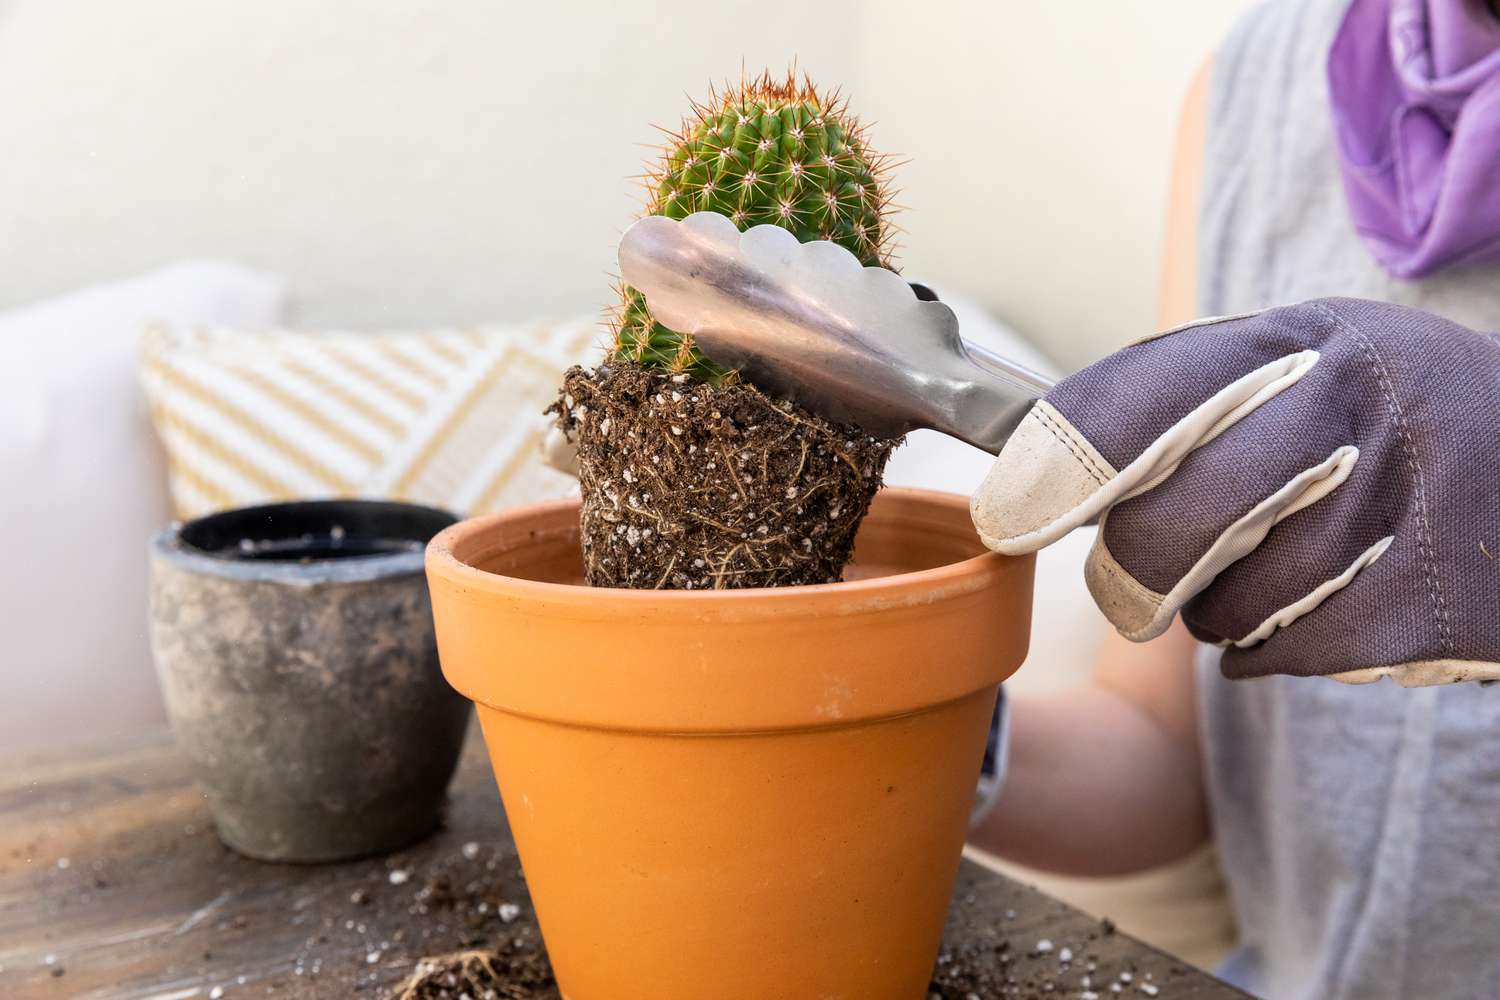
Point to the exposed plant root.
(697, 486)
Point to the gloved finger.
(1266, 605)
(1141, 589)
(1124, 424)
(1329, 631)
(1157, 550)
(1283, 608)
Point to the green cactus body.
(767, 152)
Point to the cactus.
(766, 151)
(691, 477)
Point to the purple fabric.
(1418, 396)
(1415, 86)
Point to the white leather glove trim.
(1424, 673)
(1020, 490)
(1046, 466)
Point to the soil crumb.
(480, 975)
(693, 486)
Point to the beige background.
(434, 163)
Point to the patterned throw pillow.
(451, 418)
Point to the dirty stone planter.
(294, 644)
(736, 794)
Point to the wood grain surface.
(113, 886)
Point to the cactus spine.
(767, 151)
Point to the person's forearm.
(1094, 787)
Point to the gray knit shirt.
(1358, 827)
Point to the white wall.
(1040, 137)
(447, 162)
(404, 163)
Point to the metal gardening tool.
(808, 322)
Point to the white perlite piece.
(509, 912)
(1043, 946)
(398, 876)
(1066, 955)
(470, 850)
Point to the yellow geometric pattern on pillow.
(451, 418)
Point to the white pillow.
(1066, 627)
(83, 489)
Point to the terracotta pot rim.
(728, 661)
(874, 593)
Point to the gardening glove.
(1316, 488)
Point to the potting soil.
(695, 486)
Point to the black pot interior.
(315, 530)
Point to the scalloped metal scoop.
(808, 322)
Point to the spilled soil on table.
(504, 974)
(987, 967)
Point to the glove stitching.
(1409, 452)
(1058, 432)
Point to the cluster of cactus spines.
(766, 151)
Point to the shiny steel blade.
(808, 322)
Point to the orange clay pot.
(736, 795)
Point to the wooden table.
(114, 885)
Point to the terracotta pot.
(295, 650)
(737, 795)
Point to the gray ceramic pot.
(295, 648)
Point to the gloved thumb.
(1123, 425)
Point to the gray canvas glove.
(1315, 488)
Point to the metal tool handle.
(1018, 375)
(810, 323)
